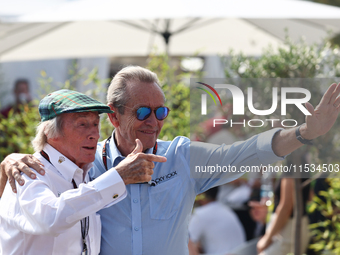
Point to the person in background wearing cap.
(153, 219)
(56, 214)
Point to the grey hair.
(46, 130)
(117, 94)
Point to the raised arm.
(317, 124)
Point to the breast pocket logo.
(163, 178)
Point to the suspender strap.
(74, 184)
(44, 154)
(155, 148)
(104, 153)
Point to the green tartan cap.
(66, 101)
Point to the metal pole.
(166, 35)
(298, 210)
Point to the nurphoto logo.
(238, 99)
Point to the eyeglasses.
(144, 112)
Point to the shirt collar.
(114, 150)
(113, 147)
(66, 167)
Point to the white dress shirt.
(44, 216)
(217, 228)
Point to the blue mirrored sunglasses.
(144, 112)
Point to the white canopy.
(155, 9)
(86, 28)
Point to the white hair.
(116, 94)
(46, 130)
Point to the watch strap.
(300, 138)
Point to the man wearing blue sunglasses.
(153, 218)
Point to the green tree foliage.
(329, 2)
(177, 95)
(327, 233)
(17, 131)
(292, 60)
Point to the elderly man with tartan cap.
(56, 214)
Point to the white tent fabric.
(105, 38)
(93, 28)
(153, 9)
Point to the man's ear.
(53, 140)
(113, 116)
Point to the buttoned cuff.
(110, 186)
(264, 147)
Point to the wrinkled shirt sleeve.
(39, 211)
(212, 165)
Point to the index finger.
(34, 163)
(335, 94)
(328, 94)
(155, 158)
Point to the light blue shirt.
(153, 219)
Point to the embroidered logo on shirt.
(163, 178)
(61, 160)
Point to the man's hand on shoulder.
(15, 163)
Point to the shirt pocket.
(165, 199)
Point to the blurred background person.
(236, 195)
(258, 212)
(22, 96)
(214, 228)
(279, 237)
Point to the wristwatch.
(300, 138)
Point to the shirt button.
(135, 200)
(136, 228)
(115, 196)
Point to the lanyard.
(104, 152)
(84, 223)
